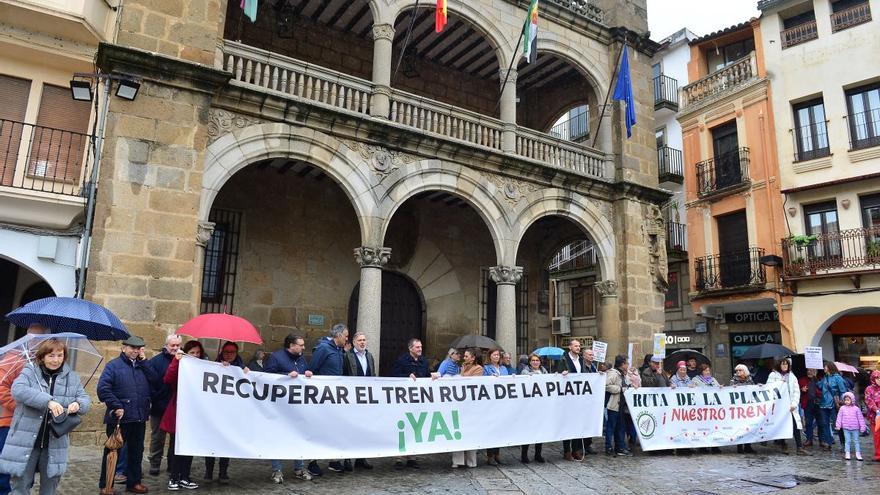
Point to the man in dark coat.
(125, 387)
(160, 363)
(358, 362)
(327, 358)
(572, 362)
(411, 364)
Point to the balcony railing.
(850, 17)
(725, 171)
(291, 78)
(720, 81)
(811, 141)
(578, 255)
(670, 165)
(575, 129)
(741, 269)
(43, 159)
(835, 252)
(665, 93)
(676, 238)
(864, 129)
(799, 34)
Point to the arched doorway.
(19, 286)
(403, 317)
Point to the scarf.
(706, 379)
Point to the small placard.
(660, 345)
(599, 351)
(813, 358)
(316, 320)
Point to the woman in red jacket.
(178, 465)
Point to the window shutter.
(59, 140)
(13, 105)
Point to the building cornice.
(161, 68)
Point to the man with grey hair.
(159, 363)
(358, 362)
(327, 359)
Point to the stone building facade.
(306, 170)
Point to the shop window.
(220, 268)
(858, 350)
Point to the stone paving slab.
(727, 473)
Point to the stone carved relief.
(655, 230)
(603, 207)
(382, 160)
(383, 32)
(205, 230)
(505, 275)
(221, 122)
(512, 190)
(607, 288)
(372, 257)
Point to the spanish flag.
(440, 17)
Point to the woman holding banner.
(178, 465)
(705, 378)
(493, 367)
(534, 368)
(782, 373)
(615, 385)
(470, 367)
(229, 357)
(742, 376)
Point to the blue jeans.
(851, 437)
(614, 429)
(4, 478)
(298, 465)
(825, 425)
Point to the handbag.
(66, 426)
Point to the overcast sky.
(700, 16)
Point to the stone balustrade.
(559, 153)
(721, 81)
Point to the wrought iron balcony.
(864, 129)
(841, 252)
(811, 141)
(853, 16)
(665, 93)
(670, 165)
(798, 34)
(722, 173)
(579, 255)
(43, 159)
(736, 270)
(676, 239)
(720, 82)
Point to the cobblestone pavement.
(698, 474)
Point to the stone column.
(369, 318)
(506, 278)
(203, 236)
(508, 109)
(609, 319)
(383, 36)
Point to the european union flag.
(624, 91)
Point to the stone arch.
(820, 331)
(238, 149)
(436, 175)
(549, 44)
(62, 280)
(471, 12)
(575, 207)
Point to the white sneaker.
(303, 475)
(173, 486)
(277, 477)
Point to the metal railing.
(720, 81)
(739, 269)
(676, 237)
(665, 91)
(575, 129)
(575, 256)
(850, 17)
(811, 141)
(722, 172)
(845, 250)
(798, 34)
(864, 129)
(670, 165)
(44, 159)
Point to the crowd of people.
(39, 400)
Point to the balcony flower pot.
(801, 241)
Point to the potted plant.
(872, 251)
(801, 240)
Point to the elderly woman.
(680, 378)
(228, 357)
(534, 368)
(705, 378)
(258, 362)
(470, 367)
(449, 366)
(782, 374)
(742, 376)
(46, 394)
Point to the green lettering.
(417, 424)
(438, 427)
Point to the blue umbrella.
(67, 314)
(549, 352)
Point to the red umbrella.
(221, 326)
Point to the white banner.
(709, 417)
(221, 412)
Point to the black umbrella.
(480, 341)
(767, 351)
(683, 355)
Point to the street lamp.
(81, 90)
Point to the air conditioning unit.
(561, 325)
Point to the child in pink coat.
(850, 419)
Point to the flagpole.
(405, 40)
(509, 67)
(608, 94)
